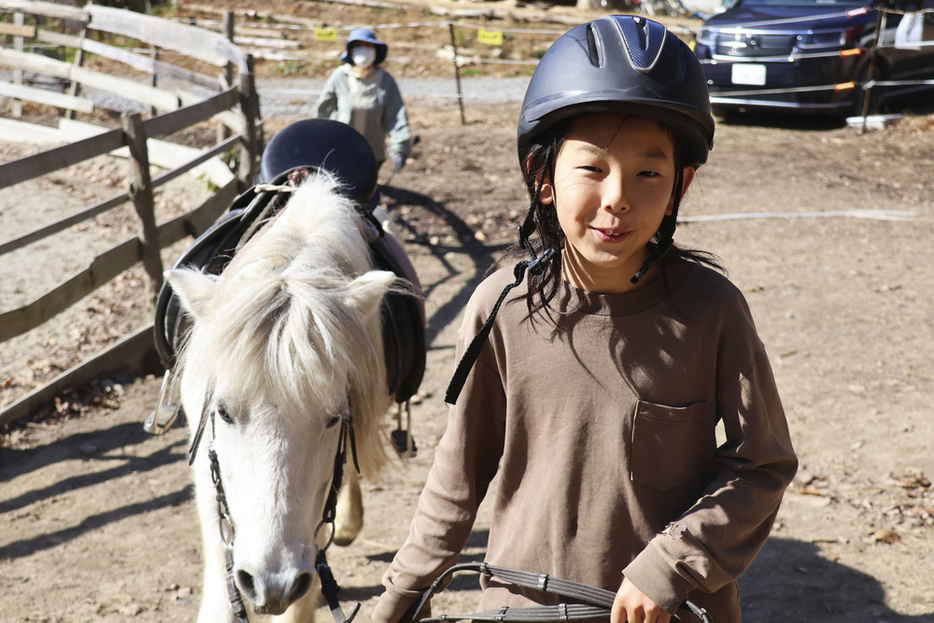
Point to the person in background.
(364, 95)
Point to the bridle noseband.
(329, 586)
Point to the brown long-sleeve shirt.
(603, 436)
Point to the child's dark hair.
(542, 219)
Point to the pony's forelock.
(281, 324)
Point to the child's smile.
(614, 178)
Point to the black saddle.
(403, 320)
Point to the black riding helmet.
(323, 144)
(620, 63)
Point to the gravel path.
(296, 97)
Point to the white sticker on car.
(748, 73)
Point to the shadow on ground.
(827, 590)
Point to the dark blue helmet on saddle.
(324, 144)
(304, 146)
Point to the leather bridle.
(329, 586)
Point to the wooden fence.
(232, 103)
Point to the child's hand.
(632, 606)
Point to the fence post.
(154, 79)
(18, 20)
(249, 105)
(142, 196)
(75, 87)
(223, 132)
(457, 74)
(871, 72)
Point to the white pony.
(283, 356)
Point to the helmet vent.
(594, 46)
(643, 41)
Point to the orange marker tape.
(844, 86)
(851, 52)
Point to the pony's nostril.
(272, 595)
(300, 587)
(246, 584)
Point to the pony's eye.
(223, 413)
(334, 421)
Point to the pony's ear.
(194, 289)
(366, 291)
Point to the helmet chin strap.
(660, 251)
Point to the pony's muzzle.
(272, 594)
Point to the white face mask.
(363, 56)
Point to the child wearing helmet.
(593, 376)
(364, 95)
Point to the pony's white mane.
(280, 322)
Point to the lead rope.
(597, 601)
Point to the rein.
(329, 586)
(596, 602)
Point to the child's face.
(614, 177)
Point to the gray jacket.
(372, 105)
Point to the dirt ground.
(97, 521)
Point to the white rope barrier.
(497, 61)
(903, 12)
(815, 89)
(896, 83)
(876, 214)
(791, 58)
(846, 86)
(824, 16)
(511, 30)
(795, 20)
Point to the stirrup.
(167, 408)
(402, 441)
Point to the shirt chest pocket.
(671, 445)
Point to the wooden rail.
(233, 105)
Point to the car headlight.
(830, 38)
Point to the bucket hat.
(367, 36)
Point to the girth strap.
(597, 602)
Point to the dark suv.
(816, 55)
